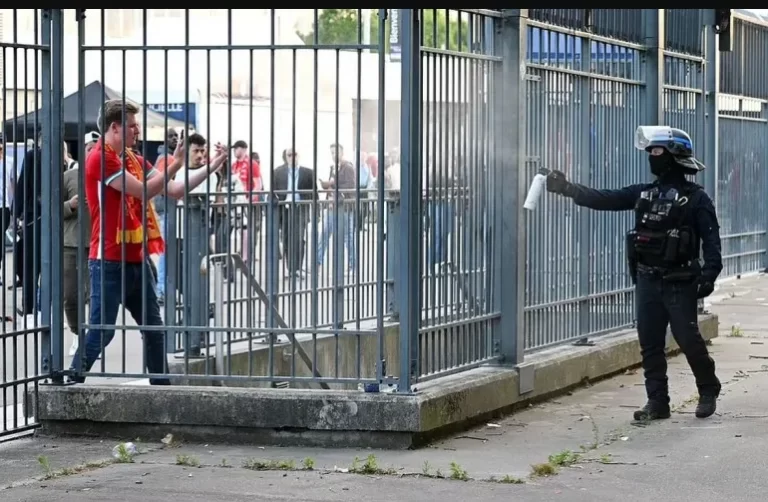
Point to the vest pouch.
(650, 246)
(678, 246)
(685, 247)
(672, 247)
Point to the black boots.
(706, 407)
(652, 411)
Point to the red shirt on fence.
(123, 215)
(249, 173)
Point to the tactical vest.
(662, 236)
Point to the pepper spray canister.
(536, 189)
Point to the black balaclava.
(663, 165)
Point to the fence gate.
(30, 137)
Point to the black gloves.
(704, 288)
(557, 182)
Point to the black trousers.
(32, 246)
(5, 221)
(662, 303)
(74, 288)
(293, 228)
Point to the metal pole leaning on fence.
(236, 261)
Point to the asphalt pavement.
(581, 446)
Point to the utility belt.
(683, 273)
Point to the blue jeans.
(135, 303)
(161, 262)
(348, 223)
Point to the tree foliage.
(342, 27)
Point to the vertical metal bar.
(763, 160)
(293, 221)
(48, 156)
(317, 213)
(337, 210)
(381, 195)
(410, 174)
(144, 246)
(13, 261)
(123, 217)
(53, 270)
(653, 20)
(102, 221)
(429, 156)
(249, 306)
(712, 121)
(82, 275)
(358, 224)
(585, 123)
(218, 300)
(272, 261)
(170, 280)
(508, 163)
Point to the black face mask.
(661, 164)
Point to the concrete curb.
(340, 418)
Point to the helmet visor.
(645, 135)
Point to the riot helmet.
(677, 145)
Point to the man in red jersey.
(246, 172)
(117, 180)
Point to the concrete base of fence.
(335, 418)
(334, 356)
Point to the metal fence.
(591, 78)
(402, 255)
(742, 156)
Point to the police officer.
(674, 218)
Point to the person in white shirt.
(9, 176)
(189, 176)
(197, 161)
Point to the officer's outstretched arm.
(708, 229)
(622, 199)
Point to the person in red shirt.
(117, 180)
(246, 171)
